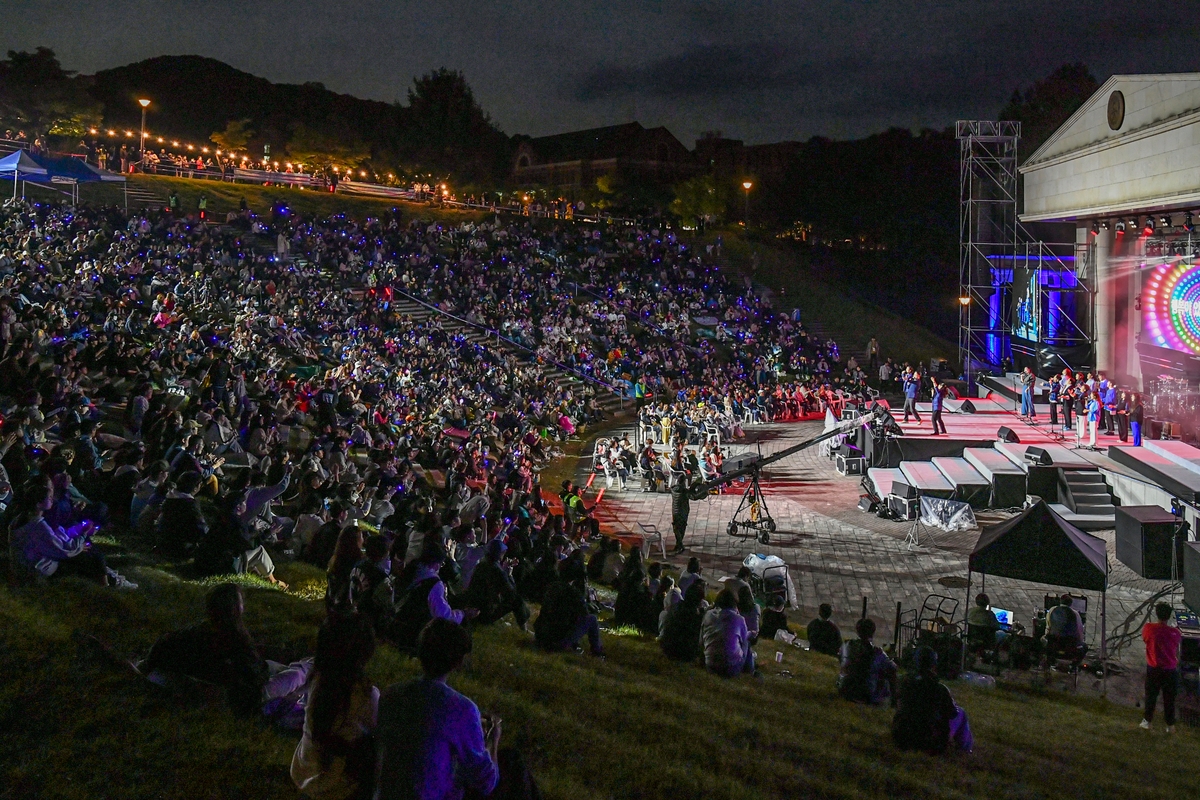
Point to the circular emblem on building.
(1116, 110)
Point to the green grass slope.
(633, 726)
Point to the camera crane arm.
(700, 491)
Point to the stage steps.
(927, 479)
(969, 485)
(882, 478)
(1086, 493)
(1006, 478)
(1085, 522)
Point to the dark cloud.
(704, 71)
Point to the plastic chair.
(651, 535)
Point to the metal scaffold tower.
(988, 234)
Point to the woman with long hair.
(346, 554)
(335, 759)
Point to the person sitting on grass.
(726, 641)
(633, 595)
(181, 526)
(432, 742)
(420, 595)
(681, 623)
(867, 674)
(927, 718)
(335, 759)
(668, 594)
(564, 619)
(492, 590)
(823, 635)
(220, 651)
(346, 555)
(692, 573)
(775, 619)
(36, 549)
(750, 612)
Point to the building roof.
(612, 141)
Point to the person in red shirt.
(1162, 665)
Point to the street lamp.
(144, 103)
(746, 215)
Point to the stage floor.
(986, 423)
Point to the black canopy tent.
(1039, 546)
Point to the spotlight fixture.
(1188, 224)
(1095, 228)
(1164, 221)
(1120, 226)
(1133, 224)
(1104, 225)
(1149, 229)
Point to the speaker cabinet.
(967, 407)
(1191, 575)
(1008, 435)
(1038, 455)
(1144, 536)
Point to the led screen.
(1171, 307)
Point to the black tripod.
(757, 522)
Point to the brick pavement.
(840, 555)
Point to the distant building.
(571, 161)
(733, 158)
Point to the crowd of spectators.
(228, 398)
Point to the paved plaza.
(840, 555)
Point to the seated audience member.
(982, 621)
(492, 590)
(220, 651)
(335, 759)
(775, 619)
(1064, 628)
(681, 624)
(927, 717)
(35, 548)
(727, 650)
(750, 612)
(823, 634)
(690, 574)
(366, 578)
(564, 619)
(346, 556)
(668, 594)
(181, 526)
(432, 742)
(633, 594)
(228, 547)
(421, 595)
(867, 674)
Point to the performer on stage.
(1066, 393)
(939, 400)
(1109, 398)
(1135, 418)
(1053, 386)
(1027, 381)
(912, 385)
(1121, 412)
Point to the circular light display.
(1172, 315)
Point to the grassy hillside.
(633, 726)
(851, 321)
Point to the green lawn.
(633, 726)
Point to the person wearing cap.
(492, 590)
(927, 718)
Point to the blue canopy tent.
(21, 165)
(55, 170)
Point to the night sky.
(759, 71)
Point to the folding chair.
(650, 535)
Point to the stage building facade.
(1125, 170)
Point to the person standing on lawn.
(1162, 666)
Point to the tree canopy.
(1046, 105)
(236, 136)
(38, 96)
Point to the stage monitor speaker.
(906, 509)
(1008, 435)
(1038, 455)
(967, 407)
(903, 490)
(865, 503)
(1144, 536)
(1191, 575)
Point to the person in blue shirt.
(431, 743)
(1093, 417)
(1027, 380)
(1109, 399)
(1053, 386)
(939, 401)
(912, 385)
